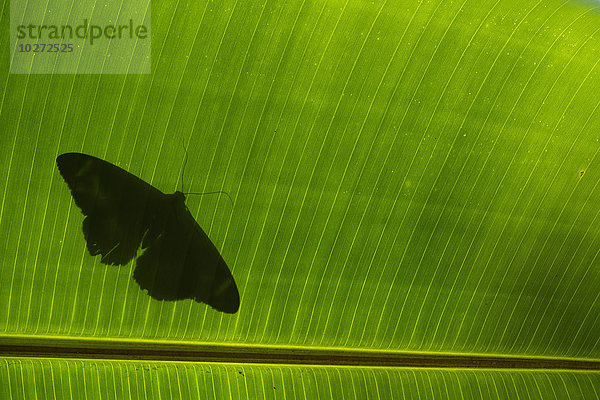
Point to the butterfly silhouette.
(124, 214)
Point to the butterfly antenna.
(217, 192)
(199, 194)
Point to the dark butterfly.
(125, 214)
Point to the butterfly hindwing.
(125, 214)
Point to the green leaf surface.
(125, 380)
(414, 176)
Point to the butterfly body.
(127, 217)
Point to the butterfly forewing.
(197, 267)
(116, 204)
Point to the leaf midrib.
(23, 346)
